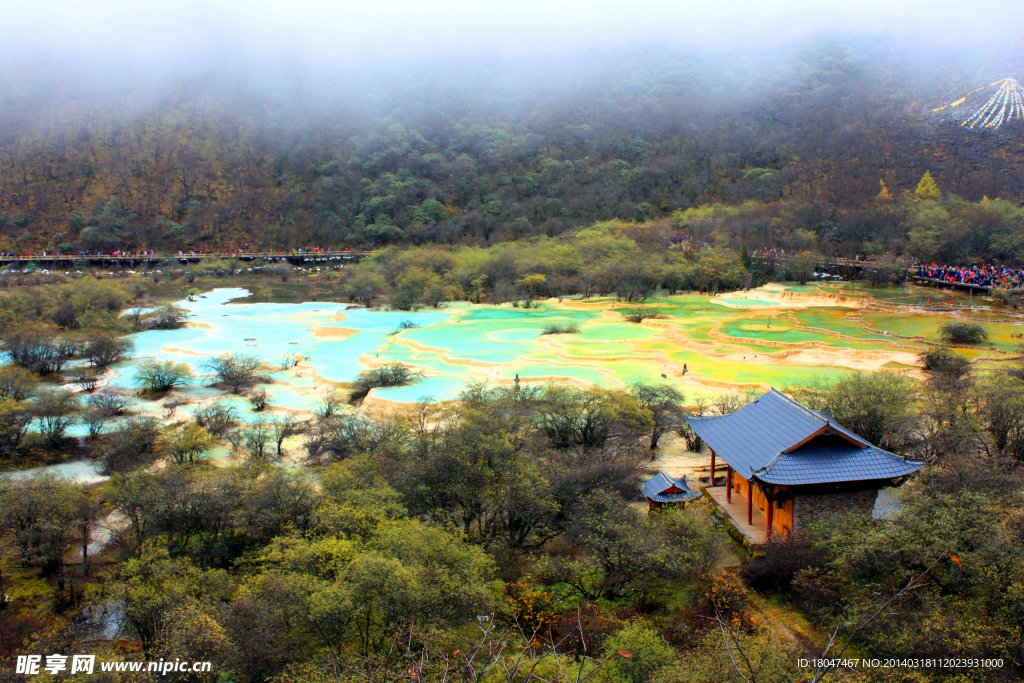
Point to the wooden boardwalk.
(270, 256)
(911, 271)
(945, 284)
(736, 512)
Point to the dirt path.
(676, 461)
(790, 624)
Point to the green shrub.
(158, 376)
(963, 333)
(942, 361)
(388, 375)
(635, 655)
(561, 329)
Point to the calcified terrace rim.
(773, 336)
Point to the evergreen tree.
(928, 188)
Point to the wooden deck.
(736, 512)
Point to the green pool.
(724, 343)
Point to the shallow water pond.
(724, 343)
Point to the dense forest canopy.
(790, 146)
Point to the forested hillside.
(796, 144)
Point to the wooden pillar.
(750, 500)
(711, 481)
(728, 483)
(770, 509)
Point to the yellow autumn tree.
(884, 193)
(928, 188)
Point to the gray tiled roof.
(821, 464)
(654, 489)
(753, 439)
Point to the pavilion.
(791, 466)
(661, 490)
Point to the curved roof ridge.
(768, 465)
(829, 421)
(672, 480)
(813, 413)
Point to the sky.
(176, 31)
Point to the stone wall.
(810, 509)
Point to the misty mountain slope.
(478, 153)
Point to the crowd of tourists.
(984, 276)
(763, 253)
(282, 252)
(119, 253)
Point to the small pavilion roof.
(662, 488)
(779, 441)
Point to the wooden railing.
(184, 257)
